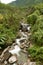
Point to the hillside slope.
(9, 25)
(10, 18)
(26, 2)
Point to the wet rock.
(19, 35)
(1, 59)
(29, 62)
(28, 43)
(22, 39)
(22, 46)
(28, 28)
(25, 64)
(23, 34)
(29, 34)
(5, 50)
(24, 50)
(6, 56)
(15, 64)
(29, 56)
(24, 27)
(13, 44)
(27, 46)
(13, 59)
(32, 63)
(18, 41)
(5, 62)
(0, 63)
(19, 47)
(1, 51)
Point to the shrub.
(36, 53)
(9, 25)
(37, 31)
(33, 17)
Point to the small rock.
(24, 50)
(13, 44)
(12, 59)
(2, 59)
(25, 64)
(14, 64)
(29, 63)
(21, 41)
(5, 62)
(22, 46)
(32, 63)
(27, 46)
(29, 56)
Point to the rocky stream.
(17, 54)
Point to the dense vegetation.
(36, 22)
(9, 25)
(26, 2)
(10, 18)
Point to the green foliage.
(36, 53)
(26, 2)
(37, 31)
(10, 18)
(9, 25)
(33, 17)
(9, 22)
(36, 21)
(39, 63)
(40, 8)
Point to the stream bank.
(17, 54)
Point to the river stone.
(32, 63)
(5, 62)
(12, 59)
(7, 55)
(29, 62)
(22, 46)
(24, 50)
(24, 27)
(14, 64)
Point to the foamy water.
(14, 64)
(18, 40)
(16, 50)
(28, 28)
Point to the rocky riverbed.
(17, 54)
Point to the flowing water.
(22, 57)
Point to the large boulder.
(13, 59)
(5, 55)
